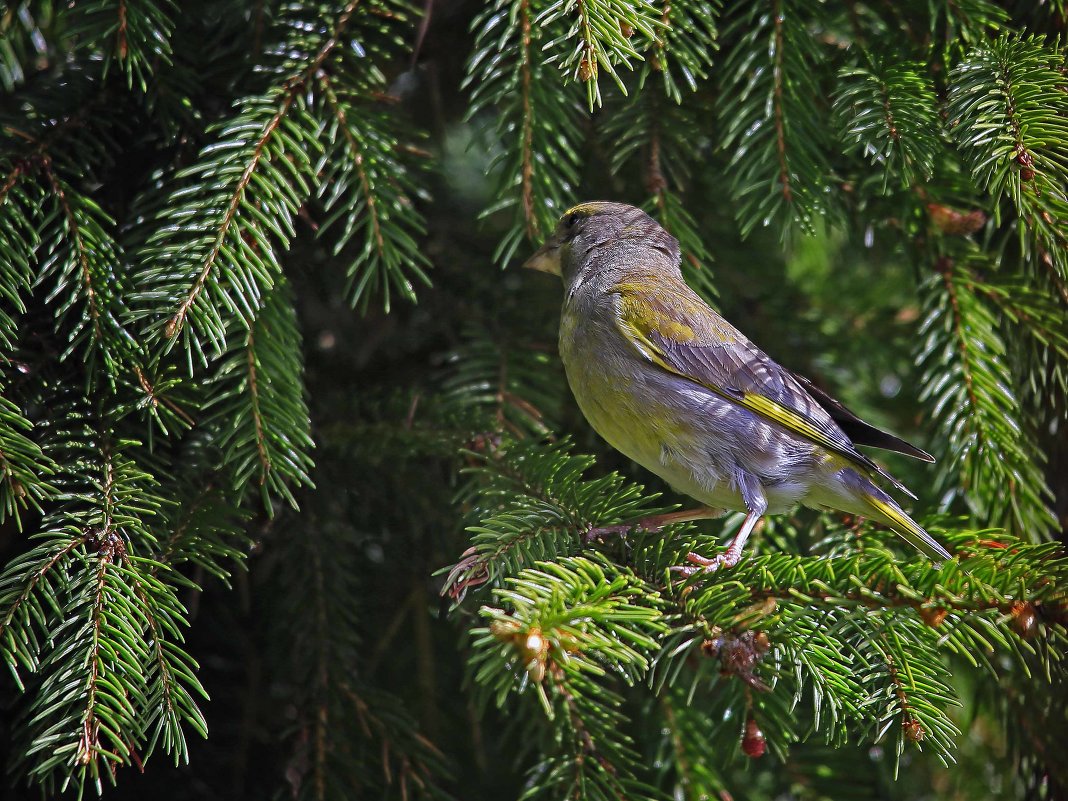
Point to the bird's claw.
(702, 564)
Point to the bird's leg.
(731, 557)
(654, 523)
(756, 503)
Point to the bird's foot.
(729, 558)
(702, 564)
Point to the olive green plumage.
(671, 384)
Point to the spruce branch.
(24, 468)
(134, 33)
(776, 145)
(685, 44)
(155, 168)
(82, 258)
(966, 23)
(94, 622)
(159, 393)
(518, 383)
(205, 528)
(527, 501)
(860, 640)
(204, 273)
(656, 139)
(349, 734)
(1009, 116)
(568, 626)
(918, 696)
(21, 200)
(65, 239)
(367, 187)
(537, 122)
(968, 387)
(24, 43)
(257, 408)
(887, 111)
(690, 734)
(1037, 313)
(212, 242)
(213, 250)
(601, 36)
(852, 644)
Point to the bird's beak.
(546, 259)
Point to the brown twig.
(291, 89)
(257, 418)
(780, 128)
(81, 251)
(358, 159)
(527, 171)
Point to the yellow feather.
(787, 418)
(907, 528)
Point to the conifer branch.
(551, 509)
(1008, 113)
(537, 121)
(989, 443)
(79, 249)
(887, 111)
(135, 33)
(602, 35)
(24, 468)
(257, 407)
(777, 150)
(58, 232)
(369, 188)
(685, 44)
(216, 271)
(19, 238)
(517, 382)
(1039, 314)
(83, 614)
(254, 403)
(81, 256)
(174, 325)
(235, 261)
(206, 529)
(558, 629)
(348, 736)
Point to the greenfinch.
(668, 382)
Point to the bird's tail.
(881, 507)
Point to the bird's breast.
(611, 390)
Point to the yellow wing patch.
(787, 418)
(645, 318)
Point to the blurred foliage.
(287, 458)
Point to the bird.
(672, 385)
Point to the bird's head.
(591, 237)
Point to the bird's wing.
(674, 329)
(860, 432)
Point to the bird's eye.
(571, 219)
